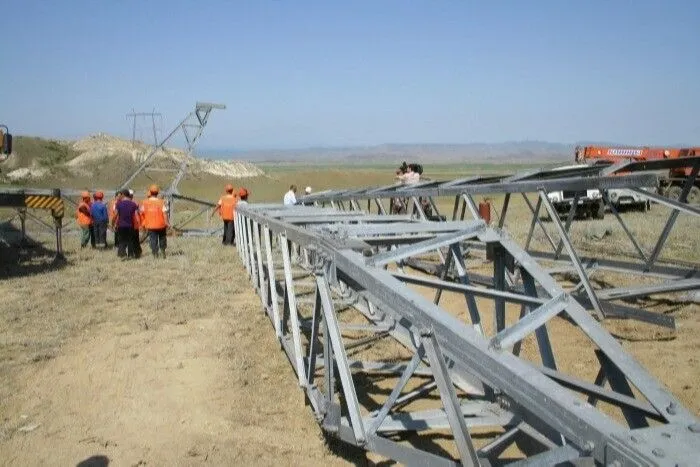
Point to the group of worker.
(290, 197)
(126, 218)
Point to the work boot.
(162, 254)
(155, 254)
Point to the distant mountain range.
(513, 152)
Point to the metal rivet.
(588, 447)
(658, 452)
(634, 439)
(666, 435)
(695, 427)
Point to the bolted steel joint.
(671, 409)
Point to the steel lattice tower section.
(191, 127)
(632, 176)
(341, 303)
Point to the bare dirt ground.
(147, 362)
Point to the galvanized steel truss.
(542, 182)
(191, 127)
(317, 270)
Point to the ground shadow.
(24, 256)
(94, 461)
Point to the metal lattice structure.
(24, 200)
(423, 196)
(387, 363)
(191, 128)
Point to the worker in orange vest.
(112, 212)
(154, 212)
(226, 207)
(85, 220)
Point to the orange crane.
(671, 185)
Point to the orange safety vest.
(227, 207)
(153, 214)
(112, 209)
(84, 220)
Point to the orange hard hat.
(228, 188)
(85, 194)
(243, 193)
(99, 195)
(153, 189)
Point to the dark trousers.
(100, 229)
(158, 240)
(93, 241)
(116, 237)
(229, 233)
(137, 243)
(128, 245)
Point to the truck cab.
(590, 202)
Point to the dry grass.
(172, 361)
(164, 362)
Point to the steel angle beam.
(545, 405)
(668, 202)
(426, 246)
(348, 216)
(398, 228)
(647, 290)
(641, 166)
(499, 185)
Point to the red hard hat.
(85, 194)
(228, 188)
(243, 192)
(99, 195)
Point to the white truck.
(590, 202)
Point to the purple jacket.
(126, 209)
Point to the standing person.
(154, 213)
(85, 219)
(100, 218)
(243, 194)
(290, 197)
(127, 213)
(226, 207)
(138, 225)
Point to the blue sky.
(334, 73)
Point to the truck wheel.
(598, 210)
(694, 195)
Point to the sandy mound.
(98, 147)
(26, 173)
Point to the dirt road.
(148, 362)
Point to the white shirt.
(290, 198)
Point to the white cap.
(131, 192)
(308, 189)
